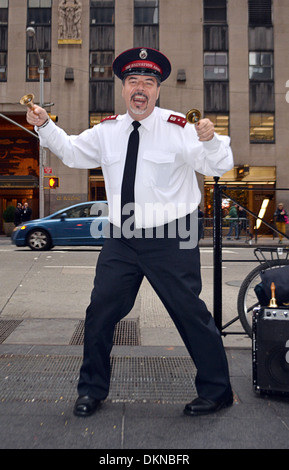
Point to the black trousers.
(174, 274)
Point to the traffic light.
(53, 117)
(53, 182)
(50, 182)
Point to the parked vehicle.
(78, 225)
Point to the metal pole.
(19, 125)
(31, 32)
(217, 244)
(41, 102)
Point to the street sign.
(48, 170)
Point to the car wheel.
(39, 240)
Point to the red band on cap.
(142, 65)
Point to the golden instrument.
(273, 303)
(27, 100)
(193, 116)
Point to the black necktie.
(127, 189)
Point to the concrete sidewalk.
(144, 410)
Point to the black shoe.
(85, 406)
(200, 406)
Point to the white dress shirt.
(166, 186)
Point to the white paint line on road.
(202, 250)
(212, 267)
(72, 267)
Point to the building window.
(261, 38)
(33, 66)
(216, 74)
(39, 17)
(146, 23)
(40, 3)
(146, 12)
(3, 66)
(261, 66)
(221, 123)
(3, 39)
(101, 86)
(261, 98)
(215, 66)
(261, 72)
(100, 64)
(262, 128)
(215, 37)
(101, 97)
(102, 12)
(215, 11)
(101, 56)
(216, 97)
(260, 12)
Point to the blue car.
(79, 225)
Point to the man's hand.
(205, 130)
(36, 116)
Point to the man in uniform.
(148, 157)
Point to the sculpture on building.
(69, 21)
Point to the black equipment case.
(270, 350)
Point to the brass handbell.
(273, 303)
(193, 116)
(27, 100)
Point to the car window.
(78, 212)
(99, 209)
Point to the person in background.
(234, 222)
(18, 214)
(26, 212)
(280, 219)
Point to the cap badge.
(143, 54)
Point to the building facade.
(229, 59)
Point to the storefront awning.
(14, 181)
(254, 175)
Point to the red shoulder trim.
(180, 121)
(110, 118)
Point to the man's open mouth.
(139, 99)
